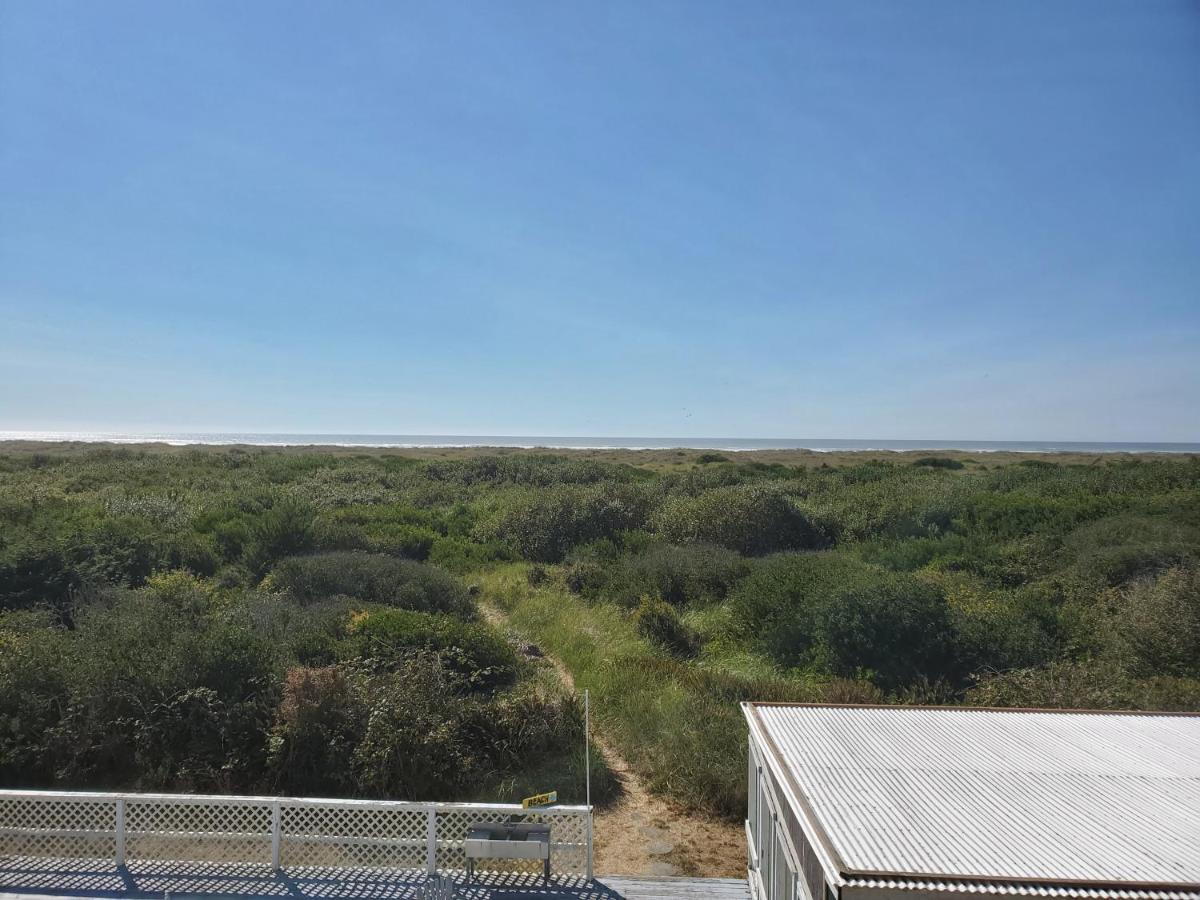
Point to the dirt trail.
(643, 834)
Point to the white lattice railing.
(282, 832)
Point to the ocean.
(557, 442)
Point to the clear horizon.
(670, 219)
(594, 442)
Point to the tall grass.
(678, 725)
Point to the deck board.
(61, 879)
(664, 888)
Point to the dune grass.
(677, 723)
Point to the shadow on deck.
(153, 880)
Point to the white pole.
(587, 767)
(587, 746)
(276, 835)
(431, 840)
(120, 835)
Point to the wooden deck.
(42, 879)
(647, 888)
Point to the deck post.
(276, 835)
(120, 832)
(589, 843)
(431, 841)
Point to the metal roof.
(1010, 889)
(973, 795)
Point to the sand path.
(641, 833)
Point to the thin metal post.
(587, 769)
(431, 841)
(120, 831)
(276, 835)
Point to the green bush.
(532, 470)
(416, 742)
(910, 554)
(286, 529)
(308, 635)
(694, 574)
(750, 519)
(460, 555)
(36, 574)
(833, 614)
(544, 526)
(939, 462)
(424, 742)
(1092, 684)
(1132, 546)
(394, 529)
(140, 692)
(1159, 621)
(1014, 515)
(658, 622)
(471, 650)
(35, 687)
(373, 578)
(317, 727)
(1005, 632)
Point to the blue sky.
(895, 220)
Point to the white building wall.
(773, 869)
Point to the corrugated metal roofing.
(1019, 796)
(1016, 889)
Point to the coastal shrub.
(410, 541)
(680, 575)
(585, 576)
(751, 519)
(317, 726)
(698, 573)
(230, 536)
(543, 526)
(1122, 548)
(308, 635)
(53, 553)
(1158, 620)
(371, 577)
(35, 687)
(1087, 684)
(897, 630)
(834, 614)
(910, 554)
(1003, 636)
(473, 651)
(886, 502)
(1018, 514)
(658, 622)
(414, 742)
(140, 691)
(529, 470)
(939, 462)
(410, 733)
(460, 555)
(286, 529)
(36, 574)
(392, 528)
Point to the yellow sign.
(540, 799)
